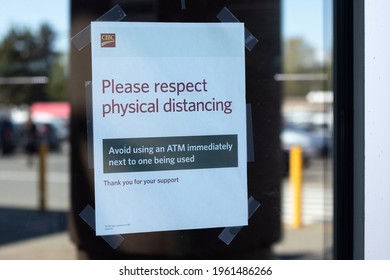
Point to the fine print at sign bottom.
(169, 153)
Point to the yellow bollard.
(43, 149)
(296, 167)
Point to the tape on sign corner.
(225, 15)
(183, 4)
(83, 38)
(253, 205)
(89, 120)
(228, 234)
(88, 215)
(113, 240)
(249, 137)
(250, 41)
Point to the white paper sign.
(169, 126)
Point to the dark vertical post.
(43, 150)
(359, 130)
(82, 13)
(343, 129)
(349, 129)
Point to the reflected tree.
(301, 58)
(24, 53)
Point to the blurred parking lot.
(23, 227)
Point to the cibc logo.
(107, 40)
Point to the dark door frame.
(348, 77)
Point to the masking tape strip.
(253, 205)
(183, 4)
(225, 15)
(83, 38)
(249, 134)
(88, 215)
(229, 233)
(250, 40)
(88, 104)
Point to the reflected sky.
(32, 13)
(301, 18)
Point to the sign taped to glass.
(169, 126)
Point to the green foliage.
(27, 54)
(56, 88)
(299, 57)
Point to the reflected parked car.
(293, 136)
(7, 136)
(314, 140)
(48, 133)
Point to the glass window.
(289, 128)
